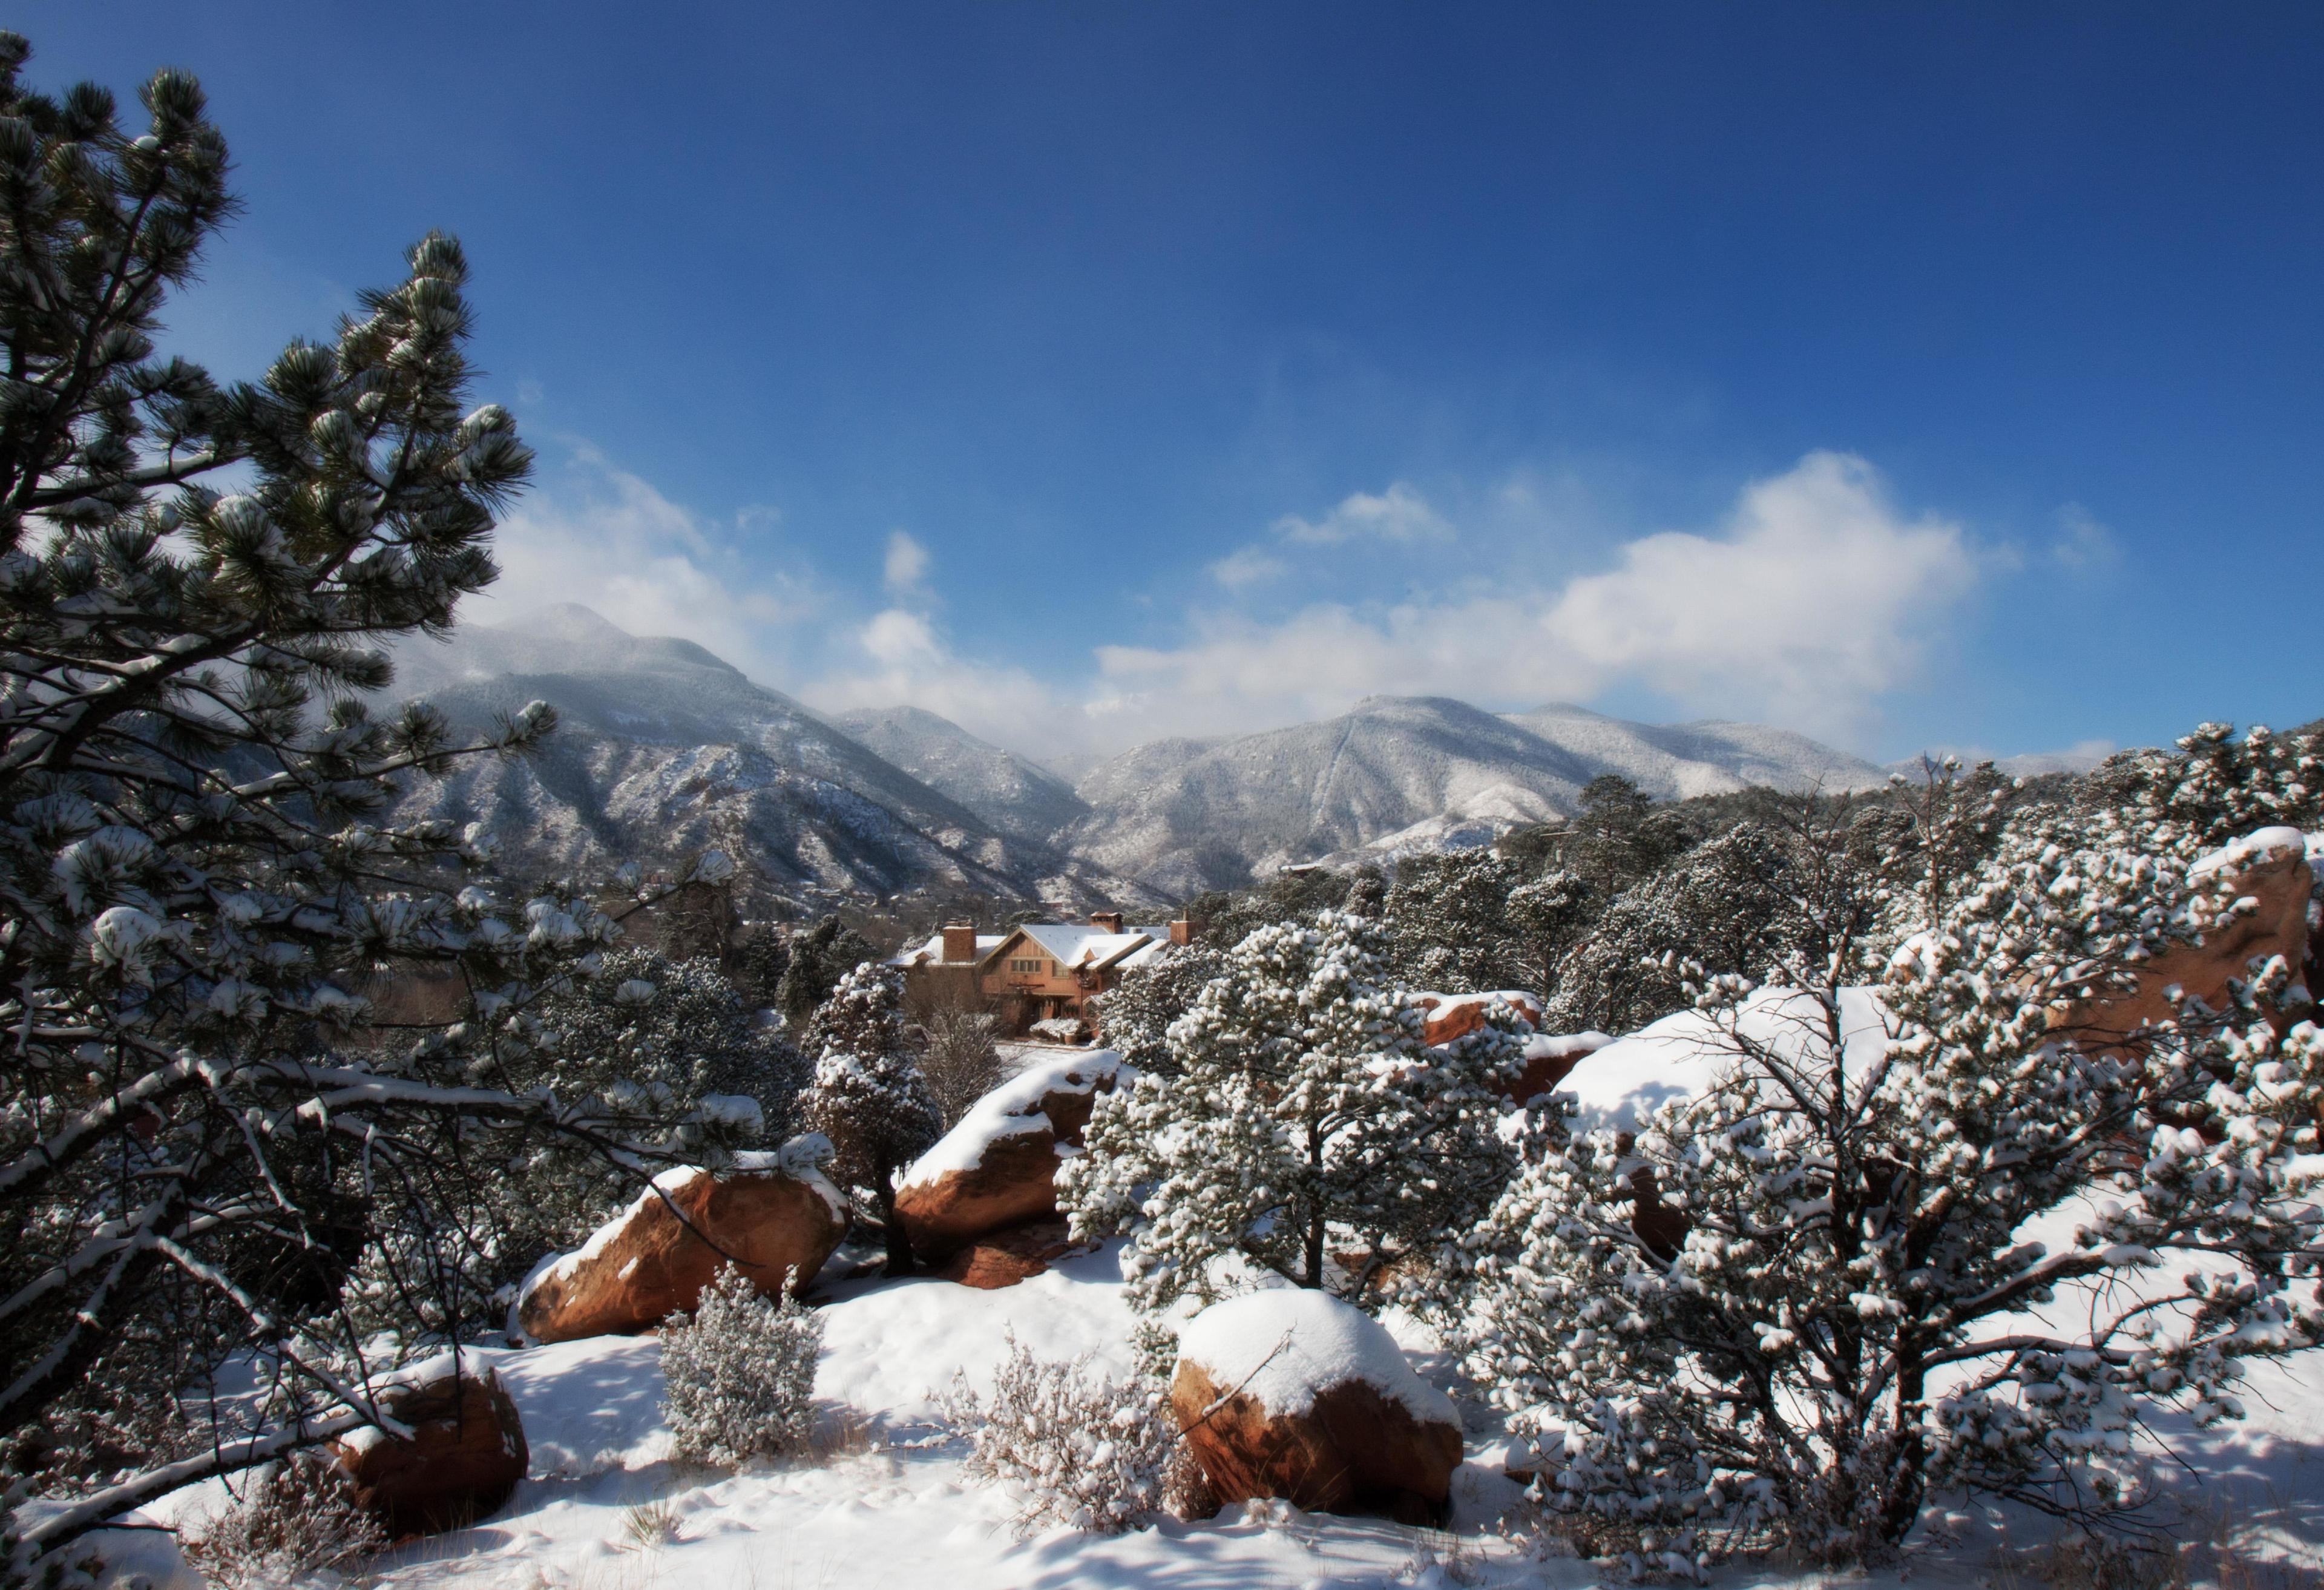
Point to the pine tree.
(1134, 1016)
(195, 584)
(868, 1096)
(1301, 1125)
(1472, 921)
(1856, 1309)
(818, 959)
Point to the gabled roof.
(1078, 945)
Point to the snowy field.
(889, 1508)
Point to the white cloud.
(2083, 545)
(603, 537)
(902, 659)
(1247, 566)
(906, 563)
(1813, 599)
(1399, 514)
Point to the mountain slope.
(1011, 794)
(1228, 811)
(1187, 814)
(1671, 762)
(665, 748)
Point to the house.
(1036, 971)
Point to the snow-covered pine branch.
(1908, 1231)
(1301, 1126)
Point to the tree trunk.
(899, 1247)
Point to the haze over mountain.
(1396, 772)
(1013, 794)
(664, 749)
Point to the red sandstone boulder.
(465, 1452)
(1549, 1058)
(1457, 1015)
(1003, 1258)
(1293, 1393)
(998, 1167)
(653, 1260)
(2265, 884)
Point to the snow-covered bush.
(1909, 1235)
(1083, 1452)
(868, 1096)
(741, 1374)
(1302, 1127)
(295, 1517)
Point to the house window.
(1033, 966)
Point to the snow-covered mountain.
(664, 749)
(1012, 794)
(1404, 772)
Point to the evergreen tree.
(868, 1096)
(195, 584)
(1925, 1240)
(1620, 837)
(818, 959)
(1301, 1125)
(1730, 905)
(1472, 921)
(1134, 1016)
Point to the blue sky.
(1916, 375)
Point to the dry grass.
(842, 1430)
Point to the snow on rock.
(1292, 1393)
(135, 1551)
(1622, 1083)
(1284, 1345)
(996, 1169)
(2265, 883)
(465, 1455)
(1451, 1016)
(775, 1214)
(1549, 1057)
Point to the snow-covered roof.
(933, 950)
(1084, 946)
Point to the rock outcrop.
(997, 1170)
(652, 1260)
(1550, 1059)
(465, 1452)
(2265, 883)
(1451, 1016)
(1293, 1393)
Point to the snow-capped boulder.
(465, 1452)
(2267, 877)
(1451, 1016)
(1297, 1394)
(998, 1167)
(777, 1218)
(1550, 1058)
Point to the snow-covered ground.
(890, 1508)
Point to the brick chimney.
(1181, 932)
(959, 942)
(1111, 920)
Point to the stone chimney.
(1181, 932)
(959, 942)
(1111, 920)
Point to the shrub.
(300, 1516)
(740, 1375)
(959, 1061)
(1085, 1452)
